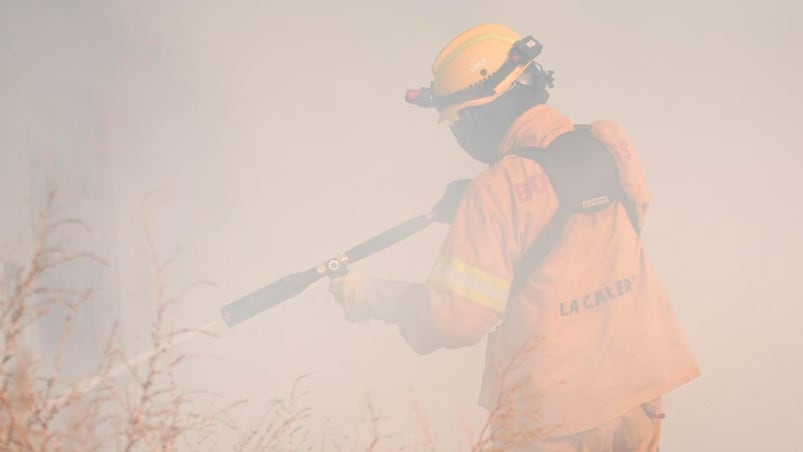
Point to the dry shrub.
(127, 404)
(507, 425)
(282, 426)
(136, 404)
(34, 407)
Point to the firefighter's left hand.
(354, 293)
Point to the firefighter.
(582, 348)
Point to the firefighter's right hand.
(355, 293)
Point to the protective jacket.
(591, 334)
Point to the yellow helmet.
(475, 68)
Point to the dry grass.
(282, 426)
(125, 405)
(138, 405)
(507, 425)
(29, 417)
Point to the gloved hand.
(355, 292)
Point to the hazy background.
(257, 138)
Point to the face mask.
(480, 139)
(479, 130)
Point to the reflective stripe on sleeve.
(459, 278)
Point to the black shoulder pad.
(581, 169)
(585, 177)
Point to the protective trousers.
(639, 430)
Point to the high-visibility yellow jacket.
(591, 334)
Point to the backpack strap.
(585, 178)
(540, 248)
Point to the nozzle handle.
(295, 283)
(388, 238)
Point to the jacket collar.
(536, 127)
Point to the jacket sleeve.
(467, 289)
